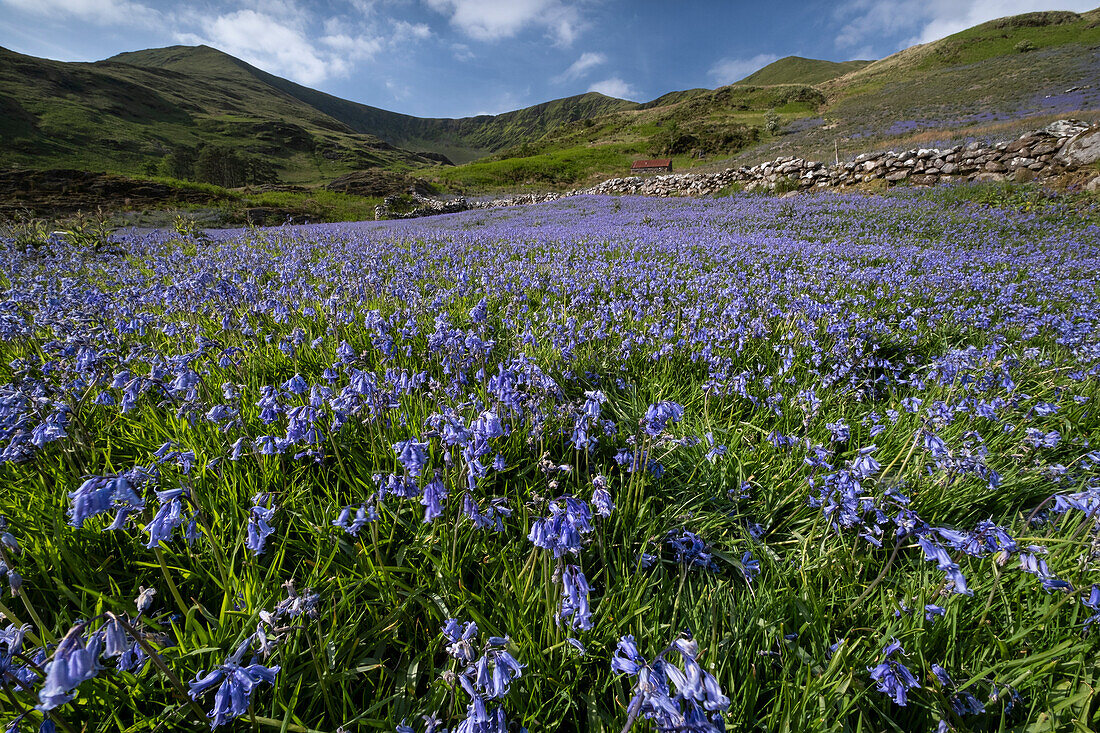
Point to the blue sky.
(452, 58)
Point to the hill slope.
(994, 80)
(459, 139)
(799, 70)
(126, 113)
(117, 117)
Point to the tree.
(180, 163)
(220, 165)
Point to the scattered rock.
(1081, 149)
(1065, 128)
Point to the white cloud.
(99, 12)
(462, 52)
(900, 23)
(581, 67)
(491, 20)
(399, 92)
(615, 87)
(353, 48)
(729, 70)
(280, 48)
(406, 31)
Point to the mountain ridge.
(131, 112)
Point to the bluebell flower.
(296, 604)
(691, 550)
(102, 494)
(562, 531)
(479, 312)
(601, 497)
(258, 528)
(168, 518)
(115, 640)
(574, 604)
(698, 700)
(364, 515)
(296, 385)
(435, 493)
(933, 551)
(840, 431)
(1093, 604)
(659, 415)
(75, 660)
(750, 567)
(460, 636)
(892, 677)
(932, 611)
(235, 683)
(1030, 563)
(412, 454)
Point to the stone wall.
(1063, 146)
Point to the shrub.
(786, 185)
(772, 122)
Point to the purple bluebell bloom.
(574, 603)
(235, 683)
(659, 415)
(892, 677)
(258, 528)
(75, 660)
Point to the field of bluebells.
(821, 464)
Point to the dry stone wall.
(1040, 154)
(1062, 146)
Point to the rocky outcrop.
(62, 192)
(1082, 149)
(375, 182)
(393, 207)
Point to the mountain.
(993, 81)
(118, 117)
(459, 139)
(131, 110)
(798, 70)
(139, 111)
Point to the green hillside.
(799, 70)
(688, 127)
(459, 139)
(994, 80)
(116, 117)
(142, 112)
(128, 113)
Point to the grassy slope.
(718, 122)
(134, 106)
(117, 117)
(129, 110)
(972, 84)
(799, 70)
(461, 139)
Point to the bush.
(772, 122)
(786, 185)
(1024, 46)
